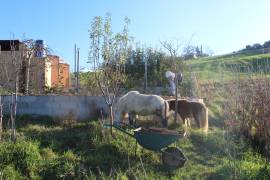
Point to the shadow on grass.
(84, 139)
(207, 147)
(109, 158)
(77, 138)
(22, 121)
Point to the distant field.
(225, 67)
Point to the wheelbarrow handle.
(120, 129)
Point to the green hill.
(223, 67)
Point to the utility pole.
(1, 117)
(145, 75)
(75, 62)
(176, 95)
(78, 69)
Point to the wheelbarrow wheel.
(173, 158)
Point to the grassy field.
(226, 67)
(47, 150)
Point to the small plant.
(24, 155)
(10, 172)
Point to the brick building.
(45, 71)
(59, 72)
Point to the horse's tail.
(204, 118)
(166, 110)
(166, 114)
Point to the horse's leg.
(164, 116)
(197, 117)
(185, 121)
(130, 118)
(188, 122)
(135, 118)
(164, 121)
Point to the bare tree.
(15, 73)
(173, 48)
(108, 54)
(1, 111)
(29, 49)
(11, 67)
(1, 118)
(17, 64)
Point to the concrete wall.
(78, 107)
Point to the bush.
(107, 157)
(24, 155)
(247, 107)
(63, 167)
(10, 172)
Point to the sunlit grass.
(86, 150)
(211, 67)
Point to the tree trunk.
(1, 118)
(14, 110)
(12, 118)
(111, 116)
(28, 76)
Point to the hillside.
(224, 67)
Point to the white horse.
(134, 103)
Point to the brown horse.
(191, 109)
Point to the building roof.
(6, 44)
(52, 56)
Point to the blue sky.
(221, 25)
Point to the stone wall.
(77, 107)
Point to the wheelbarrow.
(158, 140)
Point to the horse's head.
(119, 115)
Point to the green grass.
(226, 67)
(45, 150)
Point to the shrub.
(10, 172)
(247, 107)
(63, 167)
(107, 157)
(24, 155)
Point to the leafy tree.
(248, 47)
(257, 46)
(266, 44)
(108, 54)
(157, 64)
(87, 80)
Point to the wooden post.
(176, 97)
(1, 118)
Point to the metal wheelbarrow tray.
(155, 139)
(158, 139)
